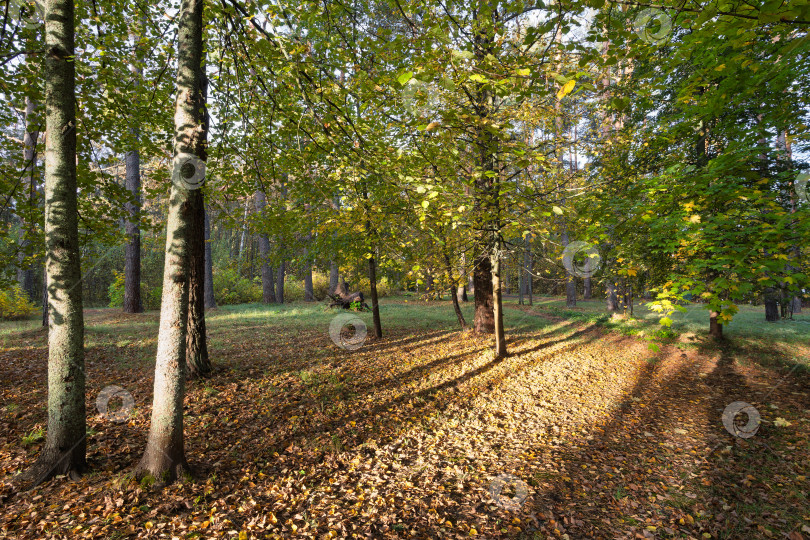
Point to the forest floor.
(582, 431)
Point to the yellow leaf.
(557, 210)
(242, 535)
(473, 532)
(566, 89)
(432, 125)
(695, 218)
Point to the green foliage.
(14, 304)
(150, 296)
(116, 290)
(293, 289)
(231, 288)
(384, 287)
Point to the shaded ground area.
(406, 436)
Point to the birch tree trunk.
(164, 457)
(65, 444)
(30, 137)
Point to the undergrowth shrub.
(150, 296)
(384, 287)
(15, 304)
(230, 288)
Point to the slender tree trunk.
(198, 365)
(210, 300)
(375, 304)
(164, 457)
(334, 275)
(309, 293)
(243, 236)
(268, 292)
(30, 137)
(132, 259)
(587, 288)
(461, 290)
(282, 268)
(500, 336)
(448, 269)
(65, 445)
(570, 279)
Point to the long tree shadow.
(657, 461)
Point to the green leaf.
(405, 77)
(557, 210)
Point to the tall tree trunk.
(375, 304)
(486, 147)
(484, 318)
(198, 365)
(164, 457)
(334, 275)
(65, 445)
(268, 292)
(715, 328)
(612, 297)
(210, 300)
(132, 258)
(243, 237)
(771, 306)
(30, 137)
(282, 268)
(500, 336)
(587, 288)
